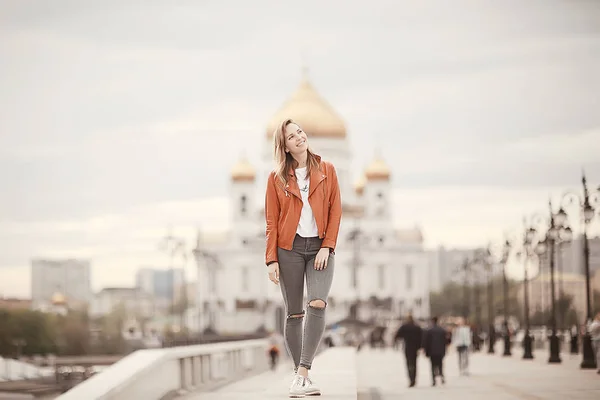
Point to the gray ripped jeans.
(294, 266)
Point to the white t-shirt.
(462, 336)
(307, 227)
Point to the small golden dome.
(377, 170)
(314, 115)
(243, 171)
(58, 299)
(359, 185)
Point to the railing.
(160, 374)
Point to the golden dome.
(58, 299)
(377, 170)
(359, 185)
(306, 107)
(243, 171)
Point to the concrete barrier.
(159, 374)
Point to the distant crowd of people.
(434, 341)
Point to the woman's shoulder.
(272, 175)
(326, 166)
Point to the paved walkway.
(336, 377)
(382, 376)
(377, 374)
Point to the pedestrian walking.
(574, 339)
(436, 340)
(303, 210)
(274, 350)
(412, 335)
(462, 340)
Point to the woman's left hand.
(321, 258)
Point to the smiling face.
(295, 140)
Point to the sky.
(121, 119)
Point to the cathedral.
(381, 272)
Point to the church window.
(409, 277)
(381, 276)
(243, 205)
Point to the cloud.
(560, 150)
(103, 122)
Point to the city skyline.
(107, 130)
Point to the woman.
(303, 210)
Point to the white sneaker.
(311, 388)
(298, 387)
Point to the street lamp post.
(556, 223)
(588, 207)
(565, 236)
(505, 254)
(527, 350)
(479, 271)
(466, 269)
(488, 266)
(476, 296)
(530, 247)
(589, 361)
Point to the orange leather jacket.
(283, 205)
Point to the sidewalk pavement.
(335, 373)
(382, 375)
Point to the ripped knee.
(296, 316)
(317, 303)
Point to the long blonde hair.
(284, 160)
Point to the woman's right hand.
(274, 272)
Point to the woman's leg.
(291, 281)
(318, 284)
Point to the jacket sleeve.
(335, 211)
(272, 219)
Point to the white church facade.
(380, 271)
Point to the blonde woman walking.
(303, 210)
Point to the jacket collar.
(318, 157)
